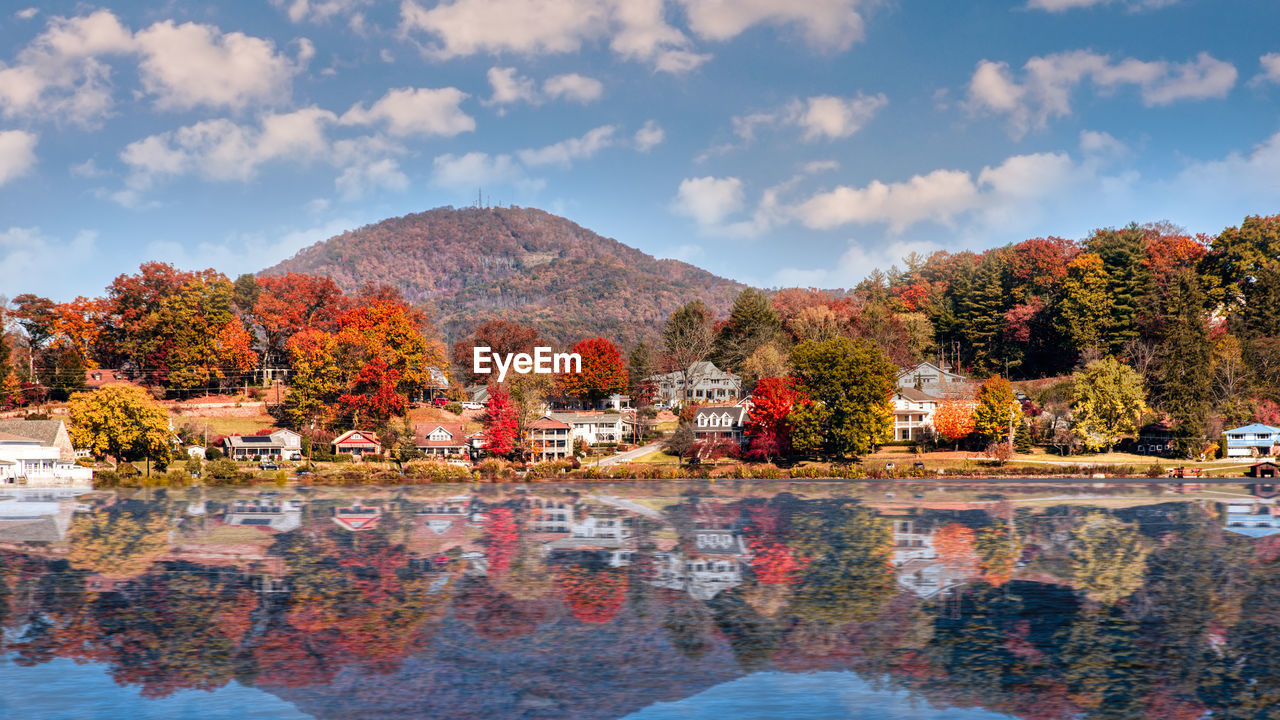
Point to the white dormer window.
(725, 420)
(439, 435)
(702, 421)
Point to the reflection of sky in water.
(811, 696)
(63, 690)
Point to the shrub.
(1154, 470)
(453, 407)
(222, 469)
(212, 453)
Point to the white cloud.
(44, 263)
(27, 13)
(565, 152)
(709, 200)
(468, 27)
(508, 87)
(854, 264)
(64, 72)
(939, 195)
(1044, 92)
(474, 170)
(17, 154)
(223, 150)
(820, 117)
(409, 111)
(1097, 144)
(643, 34)
(649, 136)
(1270, 67)
(319, 11)
(826, 24)
(369, 175)
(1065, 5)
(574, 87)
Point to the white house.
(933, 379)
(593, 428)
(27, 461)
(912, 413)
(706, 382)
(1249, 440)
(720, 421)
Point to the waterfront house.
(551, 439)
(912, 413)
(715, 422)
(1251, 440)
(29, 461)
(935, 379)
(593, 428)
(1155, 438)
(706, 382)
(441, 439)
(357, 443)
(49, 433)
(285, 444)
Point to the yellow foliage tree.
(119, 420)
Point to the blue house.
(1242, 441)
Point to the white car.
(469, 405)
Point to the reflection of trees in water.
(1168, 624)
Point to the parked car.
(440, 402)
(268, 465)
(296, 457)
(472, 405)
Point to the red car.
(440, 402)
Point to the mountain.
(521, 264)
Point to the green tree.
(808, 424)
(1123, 254)
(681, 441)
(119, 420)
(752, 323)
(1108, 561)
(980, 305)
(1108, 401)
(1085, 307)
(1185, 359)
(1237, 257)
(849, 577)
(997, 411)
(854, 382)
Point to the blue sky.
(772, 141)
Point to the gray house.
(706, 383)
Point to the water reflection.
(600, 601)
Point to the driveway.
(629, 455)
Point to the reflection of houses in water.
(915, 559)
(1256, 519)
(442, 525)
(357, 517)
(607, 534)
(548, 515)
(277, 515)
(35, 517)
(702, 576)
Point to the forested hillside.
(520, 264)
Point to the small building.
(1155, 438)
(1265, 469)
(357, 517)
(95, 378)
(282, 444)
(49, 433)
(357, 443)
(714, 422)
(912, 413)
(935, 379)
(1251, 440)
(593, 428)
(551, 439)
(441, 439)
(28, 461)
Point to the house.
(705, 382)
(97, 377)
(357, 443)
(279, 516)
(50, 433)
(1263, 470)
(713, 422)
(357, 517)
(912, 413)
(442, 439)
(30, 462)
(937, 380)
(477, 393)
(1155, 438)
(593, 428)
(285, 444)
(551, 439)
(1251, 440)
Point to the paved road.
(629, 455)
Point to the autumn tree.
(119, 420)
(997, 410)
(1108, 560)
(501, 422)
(687, 339)
(767, 428)
(1085, 308)
(769, 360)
(502, 337)
(954, 419)
(853, 382)
(1108, 401)
(285, 305)
(315, 383)
(603, 372)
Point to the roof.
(1254, 428)
(734, 410)
(420, 433)
(356, 436)
(11, 438)
(915, 395)
(95, 378)
(253, 441)
(438, 378)
(549, 423)
(597, 418)
(46, 431)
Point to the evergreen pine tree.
(1122, 253)
(980, 314)
(1185, 362)
(752, 323)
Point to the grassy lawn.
(225, 425)
(666, 427)
(658, 456)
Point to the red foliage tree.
(953, 420)
(604, 372)
(373, 395)
(773, 400)
(501, 337)
(501, 422)
(294, 302)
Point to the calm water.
(648, 601)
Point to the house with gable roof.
(1249, 440)
(937, 380)
(357, 443)
(441, 439)
(714, 422)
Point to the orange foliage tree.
(953, 420)
(603, 371)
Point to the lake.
(646, 601)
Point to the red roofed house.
(440, 439)
(551, 439)
(357, 517)
(357, 443)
